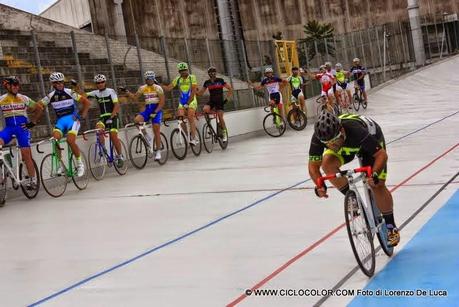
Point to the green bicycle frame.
(56, 160)
(277, 120)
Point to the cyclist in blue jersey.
(63, 101)
(14, 107)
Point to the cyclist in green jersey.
(296, 82)
(342, 80)
(188, 86)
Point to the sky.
(31, 6)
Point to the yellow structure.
(287, 57)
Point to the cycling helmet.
(327, 126)
(356, 60)
(328, 64)
(268, 69)
(338, 66)
(182, 66)
(56, 77)
(322, 67)
(149, 75)
(211, 69)
(10, 80)
(99, 78)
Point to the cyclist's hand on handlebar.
(321, 192)
(373, 180)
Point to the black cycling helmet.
(327, 126)
(10, 80)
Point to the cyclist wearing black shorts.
(217, 100)
(336, 141)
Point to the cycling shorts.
(67, 124)
(112, 127)
(184, 99)
(216, 105)
(327, 93)
(276, 97)
(149, 110)
(360, 84)
(22, 134)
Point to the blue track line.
(75, 285)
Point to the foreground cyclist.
(336, 141)
(216, 100)
(14, 107)
(109, 109)
(63, 100)
(153, 96)
(188, 86)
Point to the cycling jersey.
(326, 80)
(150, 93)
(14, 109)
(363, 137)
(63, 102)
(216, 100)
(357, 72)
(185, 86)
(271, 84)
(106, 99)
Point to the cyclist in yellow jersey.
(188, 86)
(153, 96)
(342, 80)
(14, 108)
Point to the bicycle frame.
(13, 173)
(69, 171)
(141, 131)
(101, 147)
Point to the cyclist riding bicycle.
(107, 100)
(327, 80)
(154, 98)
(358, 73)
(336, 141)
(188, 86)
(296, 82)
(342, 80)
(216, 101)
(14, 107)
(274, 85)
(63, 100)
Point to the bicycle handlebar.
(105, 133)
(47, 140)
(364, 169)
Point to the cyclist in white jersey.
(273, 84)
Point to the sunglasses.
(333, 140)
(100, 82)
(183, 70)
(14, 84)
(57, 82)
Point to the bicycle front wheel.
(164, 149)
(274, 125)
(138, 151)
(297, 119)
(29, 192)
(356, 102)
(208, 138)
(120, 163)
(53, 175)
(80, 182)
(3, 183)
(179, 144)
(196, 149)
(359, 232)
(97, 161)
(364, 103)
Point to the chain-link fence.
(387, 51)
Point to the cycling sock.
(78, 158)
(344, 189)
(389, 218)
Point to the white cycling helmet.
(328, 64)
(356, 60)
(99, 78)
(268, 69)
(339, 66)
(149, 75)
(56, 77)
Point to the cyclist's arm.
(86, 104)
(256, 87)
(283, 83)
(116, 104)
(168, 87)
(162, 101)
(316, 150)
(35, 109)
(230, 90)
(201, 91)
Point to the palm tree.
(320, 34)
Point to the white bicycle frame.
(143, 131)
(17, 161)
(180, 123)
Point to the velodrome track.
(202, 231)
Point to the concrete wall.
(74, 13)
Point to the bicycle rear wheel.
(3, 183)
(382, 228)
(274, 125)
(359, 233)
(296, 119)
(29, 193)
(120, 163)
(179, 144)
(364, 103)
(356, 102)
(196, 149)
(208, 138)
(164, 149)
(53, 175)
(97, 161)
(80, 182)
(138, 151)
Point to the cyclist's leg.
(364, 92)
(23, 138)
(58, 132)
(330, 101)
(156, 126)
(114, 135)
(100, 125)
(301, 100)
(191, 118)
(71, 137)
